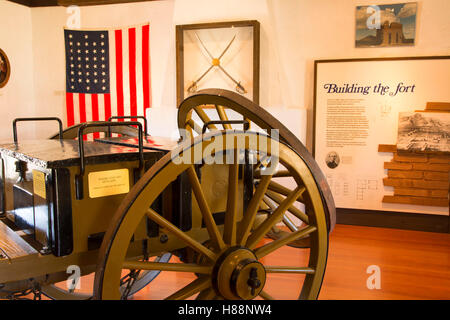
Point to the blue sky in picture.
(404, 13)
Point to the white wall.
(17, 97)
(293, 34)
(325, 29)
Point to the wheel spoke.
(252, 209)
(278, 174)
(211, 225)
(286, 220)
(292, 209)
(197, 246)
(283, 190)
(162, 266)
(261, 160)
(262, 230)
(289, 223)
(274, 245)
(191, 289)
(229, 231)
(269, 203)
(204, 117)
(265, 295)
(223, 117)
(249, 122)
(193, 125)
(284, 269)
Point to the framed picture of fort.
(382, 134)
(427, 132)
(386, 25)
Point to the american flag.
(107, 73)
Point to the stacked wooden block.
(417, 178)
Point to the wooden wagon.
(127, 206)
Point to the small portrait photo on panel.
(332, 159)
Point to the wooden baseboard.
(397, 220)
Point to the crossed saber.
(215, 62)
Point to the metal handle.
(79, 177)
(131, 117)
(37, 119)
(244, 122)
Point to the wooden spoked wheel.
(234, 259)
(207, 108)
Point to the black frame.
(180, 51)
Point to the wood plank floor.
(413, 265)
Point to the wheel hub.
(238, 275)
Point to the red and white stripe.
(130, 82)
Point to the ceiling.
(49, 3)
